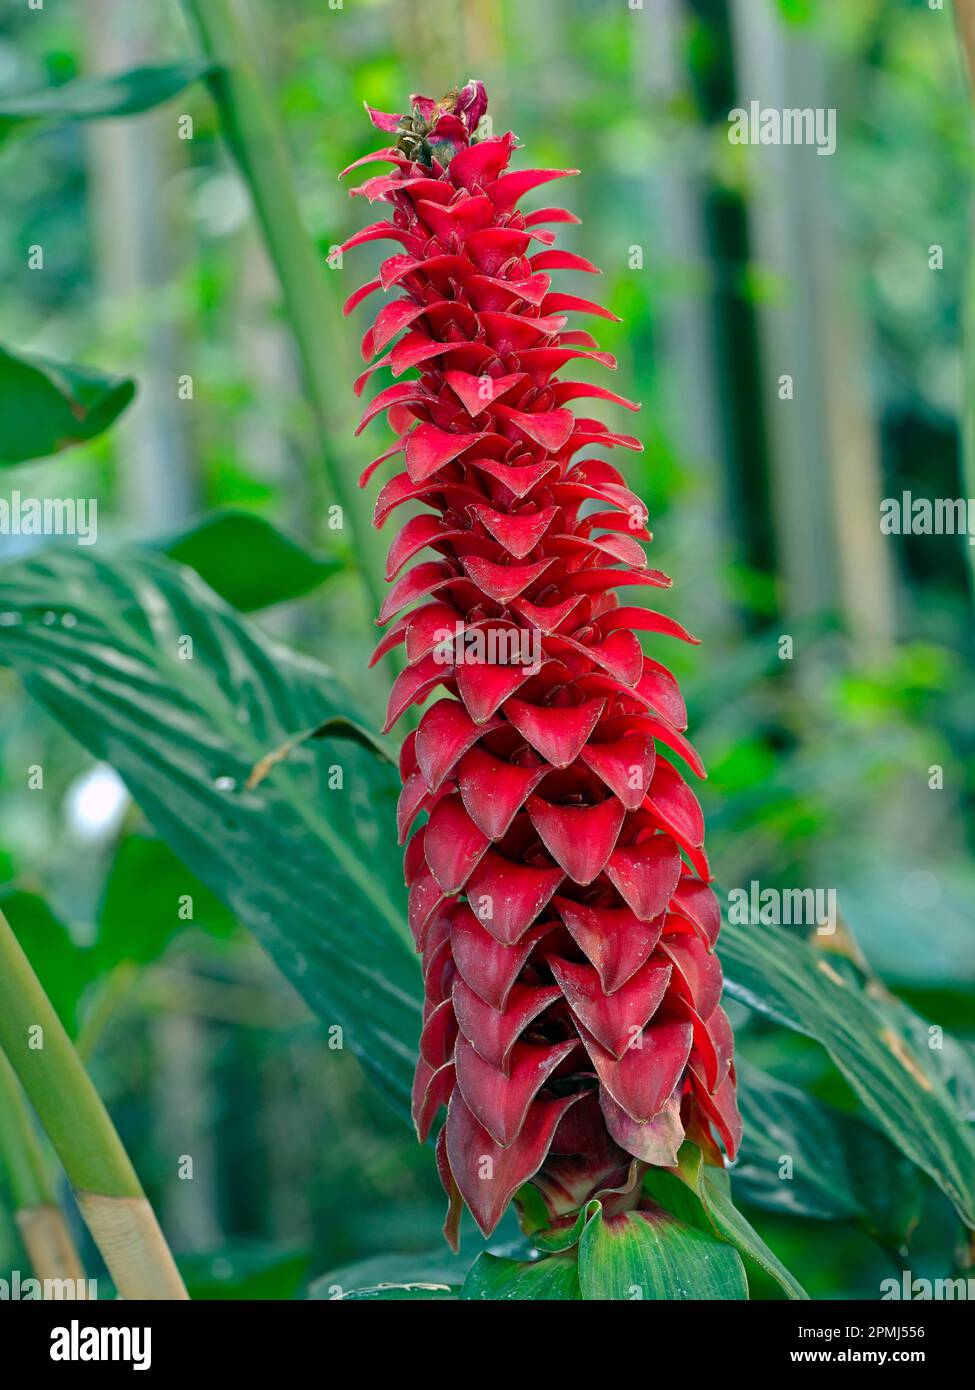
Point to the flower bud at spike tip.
(558, 881)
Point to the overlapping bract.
(558, 885)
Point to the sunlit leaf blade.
(494, 1277)
(780, 976)
(653, 1255)
(803, 1158)
(116, 94)
(157, 676)
(248, 561)
(46, 406)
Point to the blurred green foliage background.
(730, 267)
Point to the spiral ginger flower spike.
(558, 885)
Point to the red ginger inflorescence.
(558, 887)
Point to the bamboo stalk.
(20, 1150)
(105, 1184)
(255, 136)
(38, 1217)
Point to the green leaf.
(554, 1277)
(64, 967)
(797, 12)
(715, 1192)
(953, 1061)
(137, 926)
(840, 1169)
(430, 1274)
(133, 925)
(653, 1255)
(700, 1195)
(779, 975)
(243, 1269)
(411, 1293)
(46, 406)
(248, 561)
(157, 676)
(240, 1269)
(88, 98)
(556, 1240)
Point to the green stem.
(114, 989)
(81, 1132)
(21, 1154)
(38, 1216)
(59, 1088)
(255, 136)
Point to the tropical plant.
(565, 1007)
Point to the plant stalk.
(39, 1219)
(105, 1184)
(257, 141)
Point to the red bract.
(558, 886)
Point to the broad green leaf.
(133, 925)
(46, 406)
(803, 1158)
(62, 965)
(247, 561)
(552, 1277)
(952, 1060)
(154, 674)
(136, 925)
(728, 1221)
(653, 1255)
(700, 1194)
(87, 98)
(779, 975)
(437, 1272)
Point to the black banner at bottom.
(168, 1338)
